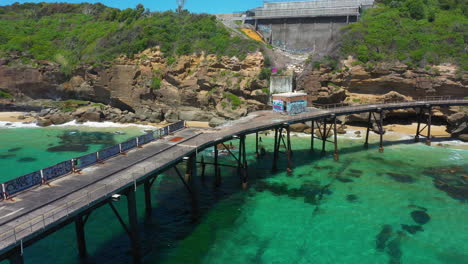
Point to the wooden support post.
(240, 158)
(192, 164)
(217, 181)
(80, 237)
(288, 146)
(257, 155)
(429, 121)
(418, 128)
(148, 207)
(203, 168)
(324, 136)
(275, 152)
(17, 256)
(381, 131)
(335, 141)
(312, 136)
(366, 144)
(133, 222)
(244, 163)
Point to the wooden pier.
(36, 213)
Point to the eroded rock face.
(458, 124)
(383, 80)
(210, 86)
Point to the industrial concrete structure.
(305, 26)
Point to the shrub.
(234, 100)
(265, 74)
(156, 83)
(5, 95)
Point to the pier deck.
(36, 213)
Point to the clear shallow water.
(325, 212)
(24, 150)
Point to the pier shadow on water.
(79, 141)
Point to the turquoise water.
(24, 150)
(351, 211)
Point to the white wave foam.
(106, 124)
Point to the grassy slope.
(411, 31)
(70, 33)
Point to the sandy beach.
(436, 131)
(14, 117)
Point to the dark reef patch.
(356, 171)
(412, 229)
(417, 207)
(400, 177)
(453, 180)
(394, 251)
(27, 159)
(7, 156)
(420, 217)
(14, 149)
(311, 191)
(351, 198)
(344, 179)
(383, 236)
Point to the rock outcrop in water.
(452, 180)
(383, 237)
(420, 217)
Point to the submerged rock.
(394, 251)
(344, 179)
(27, 159)
(356, 171)
(7, 156)
(412, 229)
(420, 217)
(401, 177)
(351, 197)
(14, 149)
(382, 238)
(453, 180)
(417, 207)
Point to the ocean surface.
(369, 207)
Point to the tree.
(416, 9)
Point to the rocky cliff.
(197, 87)
(356, 84)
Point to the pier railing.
(432, 99)
(43, 176)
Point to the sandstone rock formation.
(197, 87)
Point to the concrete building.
(290, 103)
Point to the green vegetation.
(156, 80)
(265, 74)
(70, 34)
(416, 32)
(235, 100)
(326, 61)
(5, 95)
(156, 83)
(69, 105)
(266, 90)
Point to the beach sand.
(14, 117)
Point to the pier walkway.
(36, 213)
